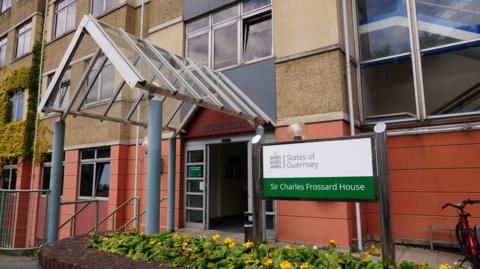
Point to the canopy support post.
(55, 181)
(256, 176)
(154, 165)
(172, 152)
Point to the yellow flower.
(374, 251)
(367, 257)
(288, 247)
(248, 244)
(286, 265)
(267, 262)
(230, 242)
(176, 237)
(184, 245)
(215, 237)
(333, 243)
(92, 234)
(104, 239)
(142, 234)
(444, 266)
(305, 265)
(152, 242)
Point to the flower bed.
(202, 252)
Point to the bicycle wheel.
(459, 233)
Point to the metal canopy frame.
(150, 71)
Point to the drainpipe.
(348, 70)
(137, 140)
(172, 152)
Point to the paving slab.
(18, 262)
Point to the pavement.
(19, 262)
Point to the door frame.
(202, 143)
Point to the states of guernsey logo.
(275, 161)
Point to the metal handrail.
(74, 216)
(114, 212)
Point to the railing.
(113, 214)
(19, 214)
(72, 219)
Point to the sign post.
(257, 233)
(388, 243)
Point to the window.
(3, 50)
(46, 173)
(16, 103)
(65, 11)
(103, 86)
(62, 97)
(444, 81)
(95, 172)
(9, 180)
(5, 4)
(238, 34)
(101, 6)
(22, 41)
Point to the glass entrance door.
(195, 186)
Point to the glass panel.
(20, 101)
(198, 49)
(452, 81)
(20, 44)
(13, 111)
(13, 179)
(46, 178)
(195, 156)
(86, 179)
(194, 216)
(6, 4)
(71, 15)
(3, 50)
(443, 22)
(110, 4)
(6, 179)
(108, 82)
(195, 186)
(388, 90)
(103, 153)
(102, 180)
(97, 7)
(258, 37)
(250, 5)
(88, 154)
(225, 14)
(195, 201)
(270, 222)
(198, 24)
(60, 22)
(383, 28)
(195, 171)
(225, 47)
(269, 205)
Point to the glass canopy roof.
(139, 70)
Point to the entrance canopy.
(143, 71)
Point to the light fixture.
(296, 130)
(145, 143)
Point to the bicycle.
(466, 236)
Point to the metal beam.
(172, 156)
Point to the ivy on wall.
(17, 138)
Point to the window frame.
(11, 166)
(49, 165)
(17, 96)
(99, 90)
(7, 8)
(93, 161)
(416, 54)
(239, 19)
(104, 8)
(3, 47)
(64, 9)
(25, 29)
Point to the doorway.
(227, 186)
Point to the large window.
(445, 78)
(9, 180)
(46, 173)
(103, 86)
(101, 6)
(4, 5)
(65, 11)
(22, 40)
(3, 50)
(16, 105)
(95, 172)
(235, 35)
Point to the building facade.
(414, 65)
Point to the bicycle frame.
(468, 234)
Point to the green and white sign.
(341, 169)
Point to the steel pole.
(154, 165)
(388, 244)
(172, 152)
(55, 180)
(257, 236)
